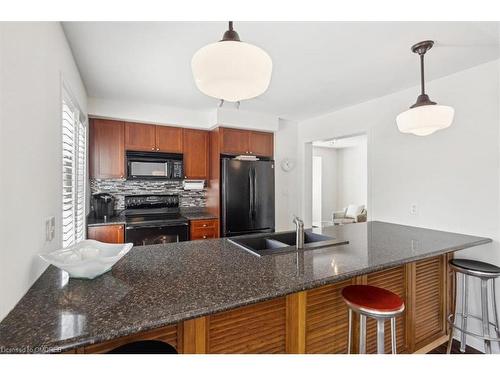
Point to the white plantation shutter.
(74, 145)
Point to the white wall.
(352, 175)
(286, 192)
(329, 181)
(317, 163)
(453, 175)
(33, 56)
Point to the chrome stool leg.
(349, 337)
(362, 334)
(465, 311)
(495, 308)
(394, 343)
(484, 308)
(452, 329)
(380, 336)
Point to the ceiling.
(317, 66)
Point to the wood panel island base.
(315, 321)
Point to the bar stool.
(485, 272)
(373, 302)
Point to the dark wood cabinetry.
(106, 151)
(240, 142)
(261, 143)
(234, 141)
(140, 137)
(169, 139)
(203, 229)
(109, 139)
(196, 154)
(143, 137)
(107, 233)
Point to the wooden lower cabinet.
(326, 320)
(315, 321)
(204, 229)
(394, 280)
(430, 300)
(107, 233)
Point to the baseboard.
(433, 345)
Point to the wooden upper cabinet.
(169, 139)
(234, 141)
(196, 154)
(106, 149)
(143, 137)
(140, 137)
(261, 143)
(241, 142)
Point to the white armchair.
(351, 214)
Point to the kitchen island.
(212, 296)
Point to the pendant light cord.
(231, 25)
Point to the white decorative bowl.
(87, 259)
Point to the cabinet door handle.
(204, 237)
(157, 149)
(204, 225)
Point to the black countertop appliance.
(104, 205)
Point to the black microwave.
(154, 166)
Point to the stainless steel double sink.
(284, 242)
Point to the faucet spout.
(299, 229)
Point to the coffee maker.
(104, 205)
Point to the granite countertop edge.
(197, 313)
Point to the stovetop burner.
(155, 209)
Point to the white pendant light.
(425, 116)
(231, 70)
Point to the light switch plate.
(50, 228)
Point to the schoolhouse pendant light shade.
(425, 116)
(232, 70)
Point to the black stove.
(154, 219)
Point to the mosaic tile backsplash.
(119, 188)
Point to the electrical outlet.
(50, 228)
(413, 209)
(414, 245)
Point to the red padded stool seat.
(376, 303)
(372, 299)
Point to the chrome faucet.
(299, 228)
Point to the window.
(74, 145)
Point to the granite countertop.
(92, 221)
(197, 213)
(158, 285)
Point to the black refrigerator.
(247, 196)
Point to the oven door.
(141, 235)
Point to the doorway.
(339, 180)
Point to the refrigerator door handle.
(250, 185)
(254, 194)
